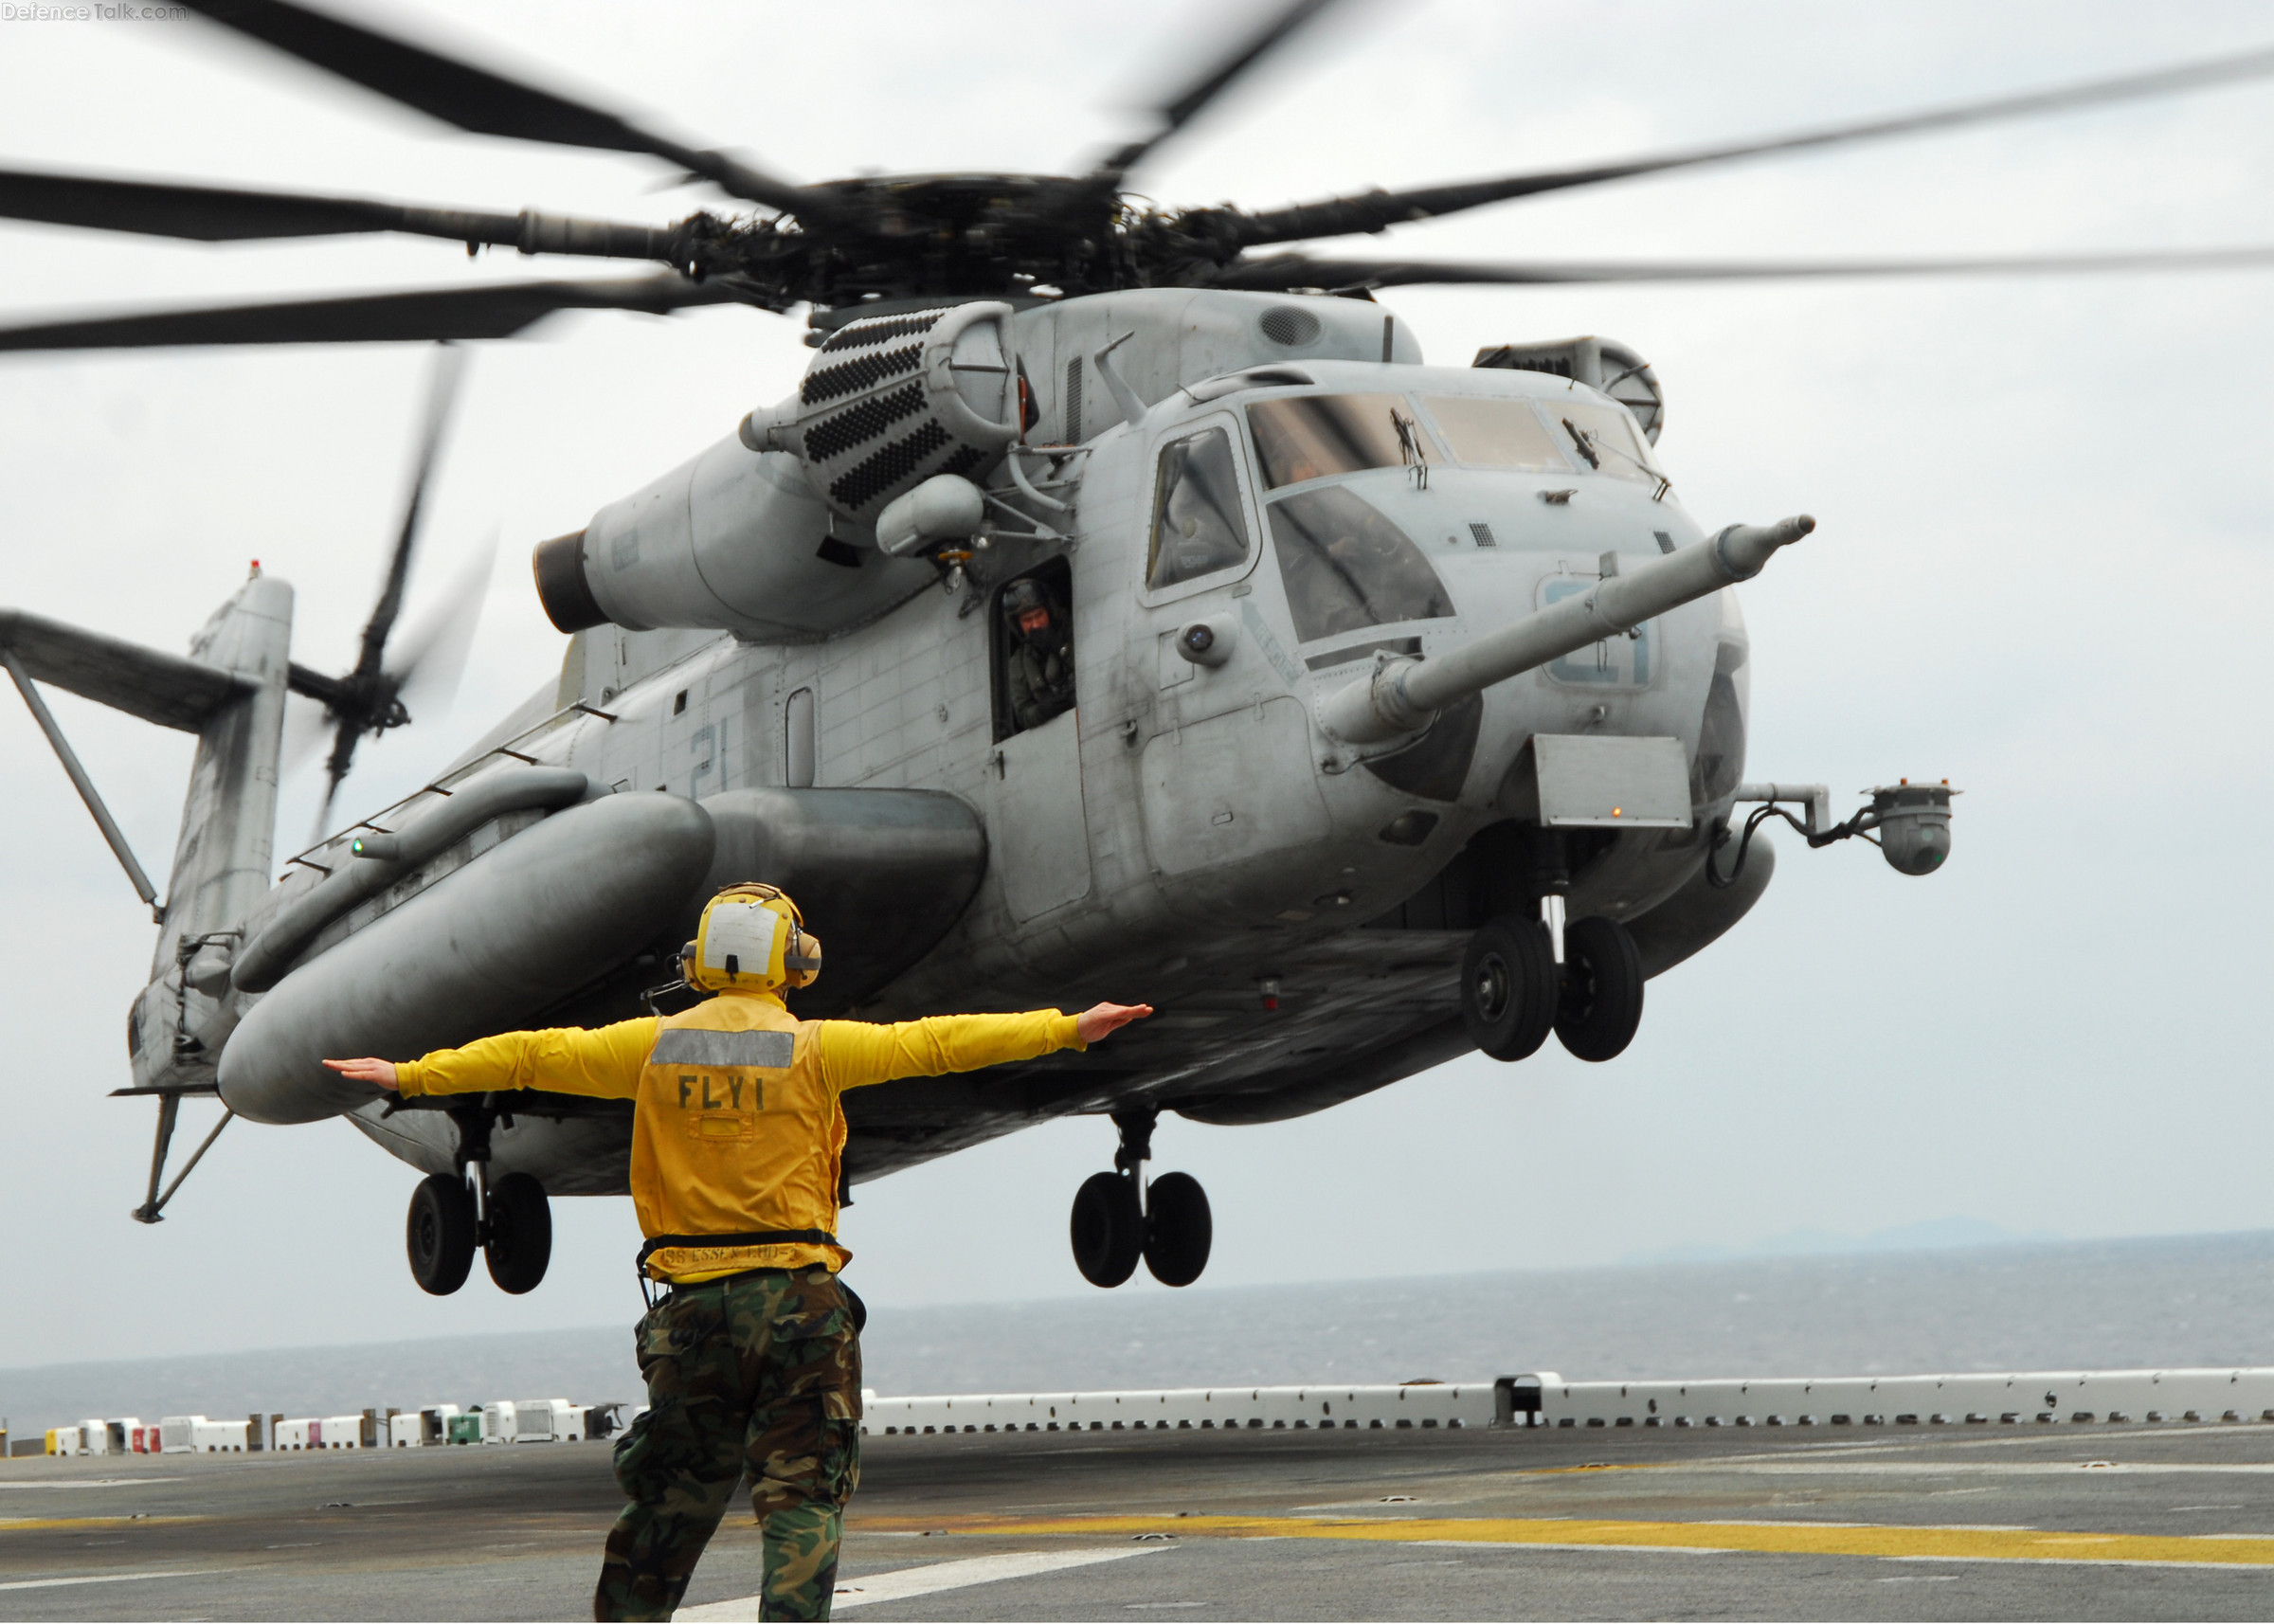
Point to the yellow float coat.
(736, 1122)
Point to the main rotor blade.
(1286, 272)
(499, 311)
(229, 214)
(1176, 111)
(1376, 210)
(480, 101)
(441, 393)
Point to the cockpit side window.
(1198, 526)
(1345, 567)
(1604, 438)
(1308, 437)
(1482, 432)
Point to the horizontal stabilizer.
(167, 689)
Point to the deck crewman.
(752, 1360)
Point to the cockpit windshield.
(1484, 432)
(1308, 437)
(1603, 437)
(1345, 567)
(1300, 438)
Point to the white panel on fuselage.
(1602, 781)
(1038, 833)
(1236, 786)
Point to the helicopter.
(1352, 816)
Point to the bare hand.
(1100, 1020)
(381, 1073)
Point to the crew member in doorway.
(752, 1358)
(1039, 671)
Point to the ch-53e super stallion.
(1108, 607)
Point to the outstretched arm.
(602, 1061)
(854, 1053)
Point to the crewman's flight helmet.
(751, 936)
(1021, 596)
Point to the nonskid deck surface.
(2056, 1520)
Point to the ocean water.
(2168, 1301)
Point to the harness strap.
(749, 1238)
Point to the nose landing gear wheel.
(1509, 986)
(1178, 1229)
(1602, 988)
(441, 1233)
(1109, 1231)
(521, 1239)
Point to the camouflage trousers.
(759, 1374)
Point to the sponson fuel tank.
(481, 951)
(880, 875)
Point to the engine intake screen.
(1308, 437)
(1345, 567)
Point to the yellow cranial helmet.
(753, 937)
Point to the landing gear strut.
(512, 1221)
(1118, 1217)
(1514, 990)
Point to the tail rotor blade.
(304, 724)
(432, 659)
(449, 368)
(343, 756)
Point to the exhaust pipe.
(1402, 696)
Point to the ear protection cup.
(802, 958)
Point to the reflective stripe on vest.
(693, 1046)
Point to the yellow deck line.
(27, 1524)
(1795, 1538)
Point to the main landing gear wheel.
(1509, 986)
(1602, 988)
(1109, 1230)
(441, 1233)
(1178, 1230)
(519, 1243)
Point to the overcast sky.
(2043, 571)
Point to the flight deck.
(2054, 1520)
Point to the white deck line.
(113, 1578)
(902, 1584)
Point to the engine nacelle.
(733, 541)
(769, 534)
